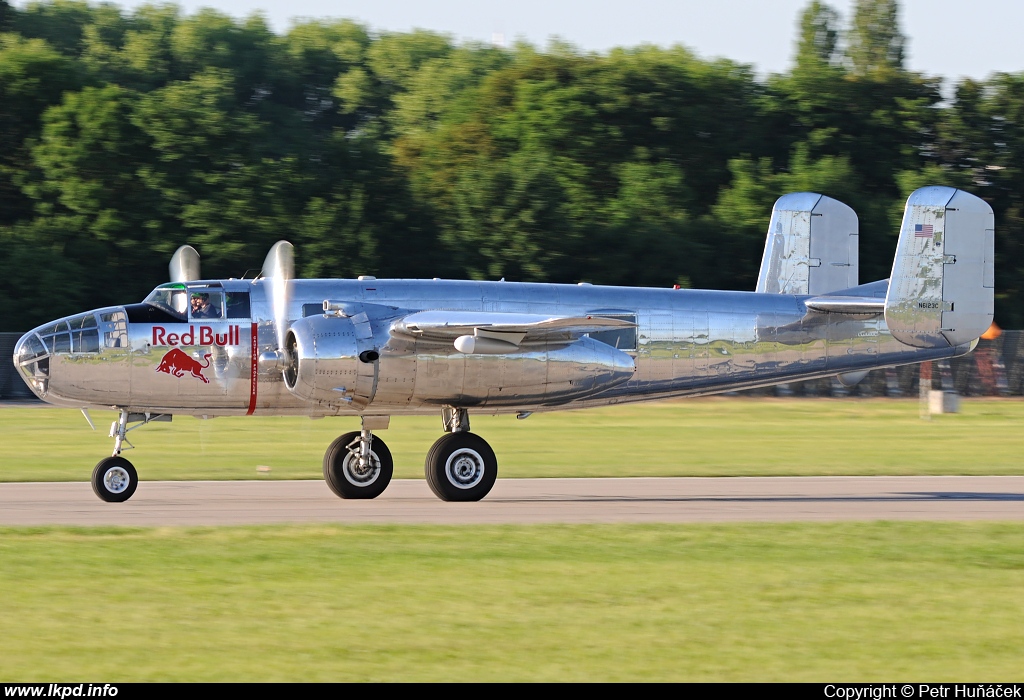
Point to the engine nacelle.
(532, 375)
(338, 360)
(333, 359)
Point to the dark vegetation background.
(123, 136)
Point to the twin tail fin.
(941, 290)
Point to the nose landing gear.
(114, 479)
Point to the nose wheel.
(114, 479)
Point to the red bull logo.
(177, 362)
(201, 335)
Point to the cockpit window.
(83, 321)
(33, 360)
(206, 303)
(84, 335)
(31, 349)
(58, 327)
(78, 335)
(172, 298)
(237, 305)
(115, 329)
(58, 343)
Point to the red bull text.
(196, 335)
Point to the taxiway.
(637, 500)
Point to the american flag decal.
(923, 231)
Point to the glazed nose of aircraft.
(33, 362)
(50, 357)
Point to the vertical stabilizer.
(941, 291)
(811, 246)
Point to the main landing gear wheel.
(114, 479)
(347, 477)
(461, 467)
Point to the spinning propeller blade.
(279, 270)
(184, 265)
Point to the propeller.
(278, 271)
(184, 265)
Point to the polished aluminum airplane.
(373, 348)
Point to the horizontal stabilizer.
(513, 328)
(811, 246)
(941, 291)
(846, 305)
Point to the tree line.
(126, 134)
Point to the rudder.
(941, 291)
(811, 247)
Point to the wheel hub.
(359, 474)
(116, 480)
(464, 468)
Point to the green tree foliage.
(818, 40)
(6, 14)
(743, 209)
(610, 156)
(875, 41)
(33, 77)
(981, 143)
(60, 23)
(863, 109)
(126, 134)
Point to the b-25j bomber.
(373, 348)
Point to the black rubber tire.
(348, 485)
(461, 467)
(110, 485)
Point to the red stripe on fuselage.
(252, 373)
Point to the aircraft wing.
(511, 328)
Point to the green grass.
(751, 602)
(701, 437)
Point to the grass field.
(700, 437)
(754, 602)
(746, 602)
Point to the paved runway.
(529, 501)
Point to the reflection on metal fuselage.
(687, 343)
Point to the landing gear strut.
(114, 479)
(460, 466)
(359, 464)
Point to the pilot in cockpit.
(202, 308)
